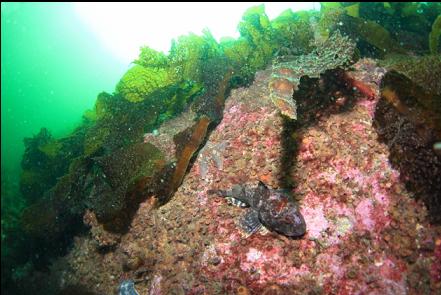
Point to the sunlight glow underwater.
(124, 27)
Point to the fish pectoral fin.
(236, 202)
(250, 222)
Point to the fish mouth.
(295, 226)
(292, 225)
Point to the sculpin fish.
(275, 209)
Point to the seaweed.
(190, 145)
(435, 35)
(45, 159)
(381, 28)
(189, 53)
(150, 58)
(139, 82)
(423, 70)
(293, 33)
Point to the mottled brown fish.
(274, 209)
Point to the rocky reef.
(365, 230)
(292, 103)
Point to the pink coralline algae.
(364, 214)
(263, 262)
(315, 220)
(366, 234)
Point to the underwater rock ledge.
(361, 158)
(365, 231)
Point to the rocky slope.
(365, 232)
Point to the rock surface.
(365, 232)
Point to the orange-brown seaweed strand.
(196, 139)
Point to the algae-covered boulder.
(40, 220)
(117, 169)
(36, 176)
(422, 70)
(108, 185)
(120, 122)
(94, 140)
(408, 120)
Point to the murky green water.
(52, 69)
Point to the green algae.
(139, 82)
(435, 35)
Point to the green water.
(52, 69)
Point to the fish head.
(282, 215)
(292, 223)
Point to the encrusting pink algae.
(365, 233)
